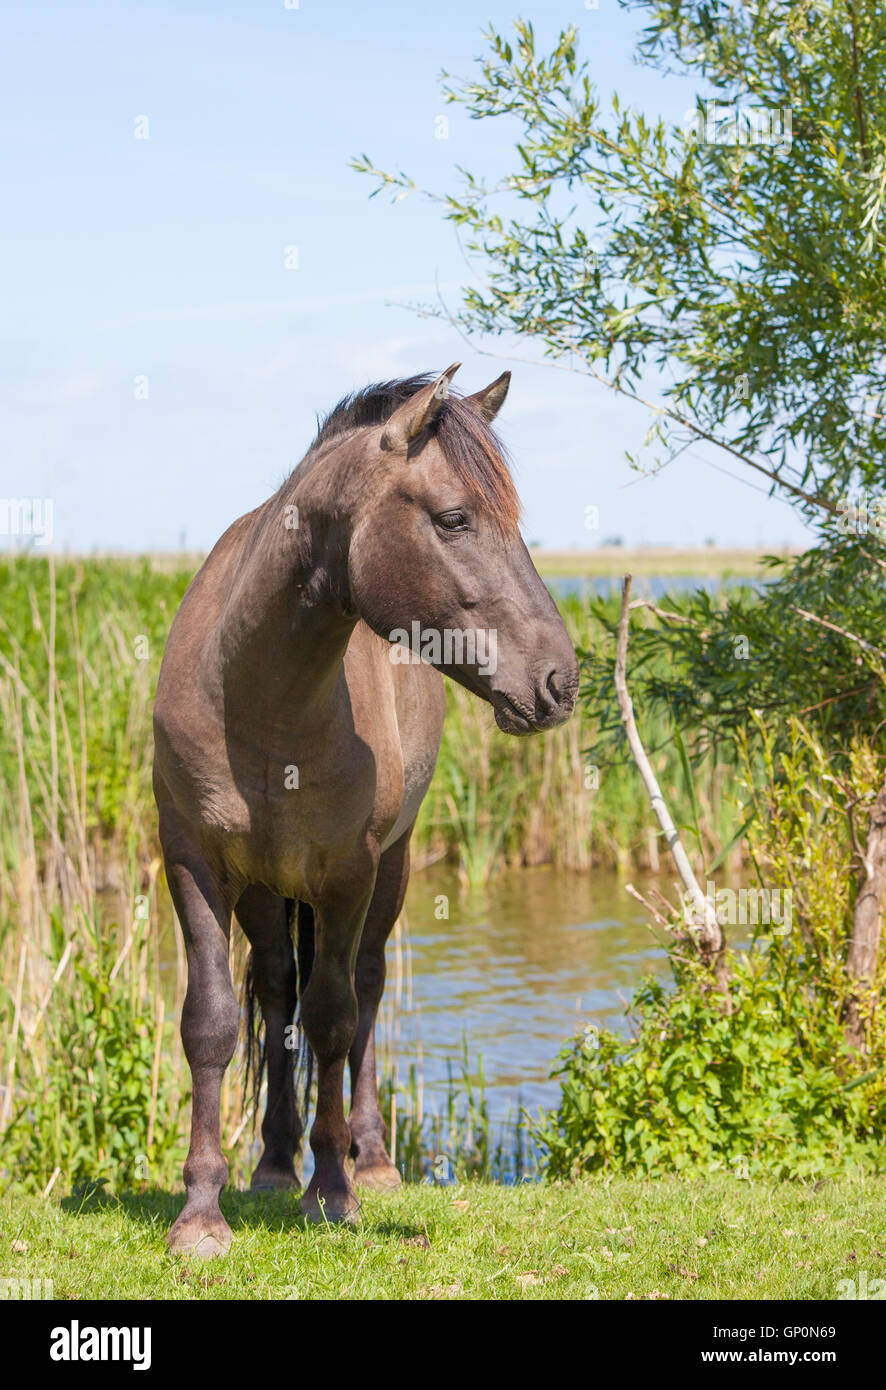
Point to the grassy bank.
(723, 1238)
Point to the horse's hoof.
(206, 1238)
(273, 1180)
(339, 1208)
(378, 1177)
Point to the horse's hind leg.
(369, 1136)
(262, 915)
(210, 1020)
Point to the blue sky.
(164, 258)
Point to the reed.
(92, 972)
(457, 1140)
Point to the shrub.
(770, 1088)
(771, 1085)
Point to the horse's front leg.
(369, 1135)
(210, 1020)
(329, 1018)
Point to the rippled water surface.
(515, 970)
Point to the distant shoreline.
(614, 560)
(606, 561)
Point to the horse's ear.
(414, 415)
(490, 401)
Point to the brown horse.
(297, 723)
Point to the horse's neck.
(285, 628)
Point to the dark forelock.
(468, 443)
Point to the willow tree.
(732, 265)
(726, 273)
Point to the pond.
(649, 586)
(510, 975)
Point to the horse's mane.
(469, 445)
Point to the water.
(516, 971)
(653, 586)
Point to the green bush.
(770, 1088)
(768, 1085)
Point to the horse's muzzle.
(552, 703)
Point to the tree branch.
(711, 940)
(823, 622)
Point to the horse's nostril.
(549, 694)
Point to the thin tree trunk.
(710, 936)
(867, 923)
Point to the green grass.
(722, 1238)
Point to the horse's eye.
(452, 521)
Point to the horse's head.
(437, 564)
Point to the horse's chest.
(297, 811)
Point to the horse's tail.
(255, 1042)
(301, 916)
(300, 923)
